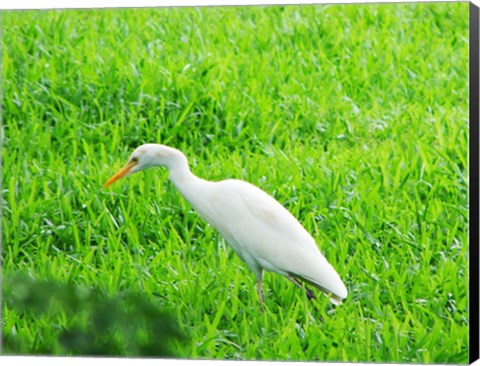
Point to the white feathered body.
(261, 231)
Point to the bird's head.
(144, 157)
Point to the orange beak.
(121, 173)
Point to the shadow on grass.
(52, 318)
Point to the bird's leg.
(259, 276)
(310, 294)
(260, 291)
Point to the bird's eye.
(134, 160)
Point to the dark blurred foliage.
(81, 321)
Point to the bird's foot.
(310, 294)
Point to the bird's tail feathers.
(334, 298)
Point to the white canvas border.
(62, 4)
(76, 4)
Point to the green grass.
(355, 117)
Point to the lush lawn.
(352, 116)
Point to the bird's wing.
(263, 229)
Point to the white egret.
(259, 229)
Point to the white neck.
(192, 188)
(178, 168)
(179, 172)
